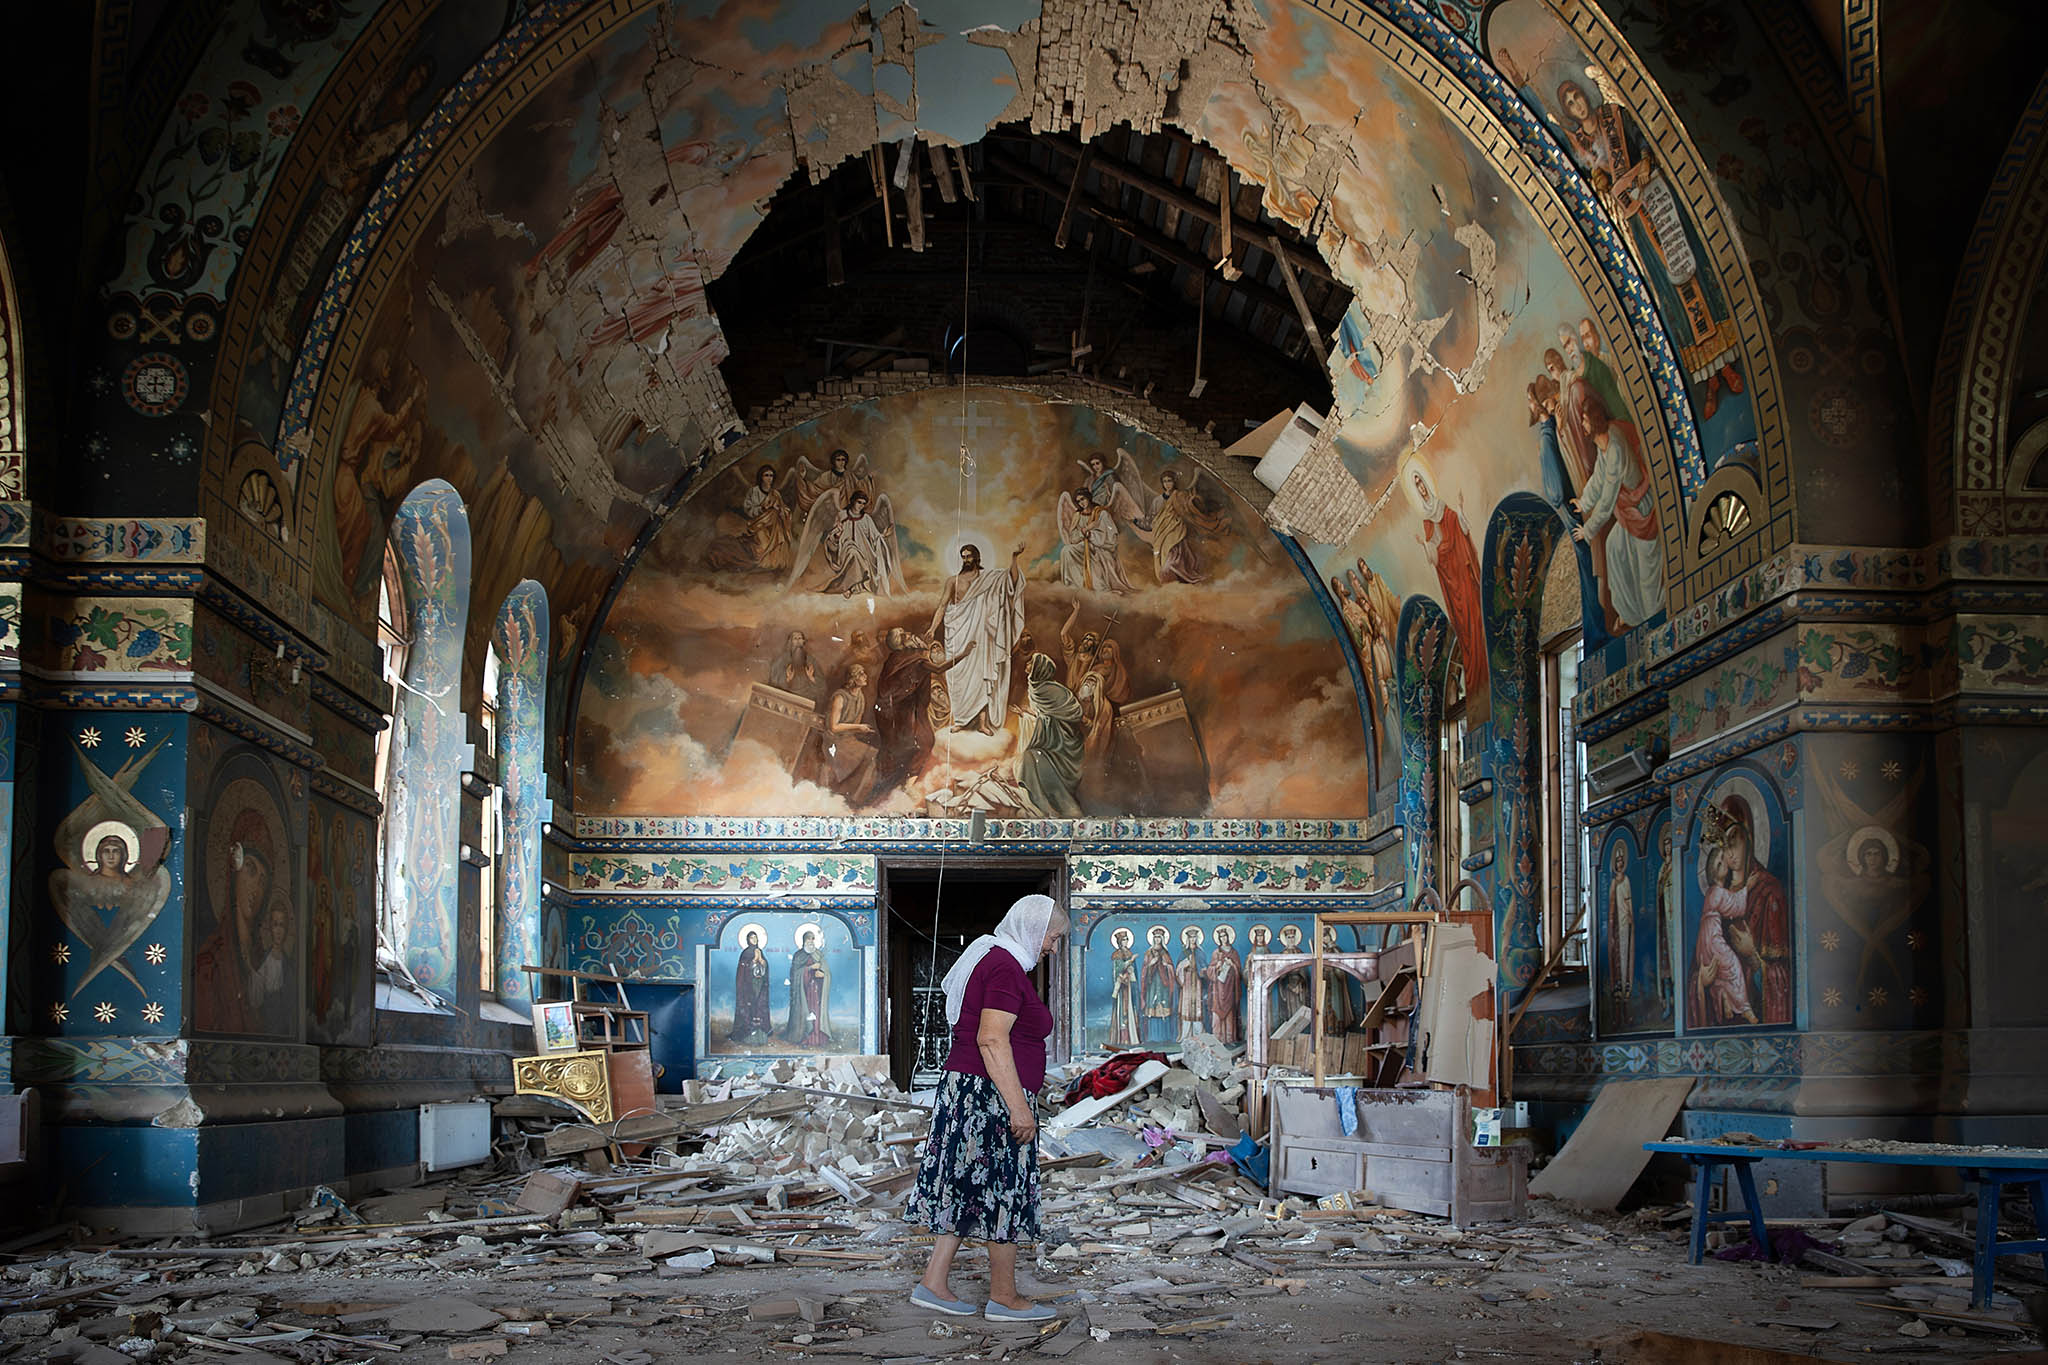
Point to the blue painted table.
(1990, 1172)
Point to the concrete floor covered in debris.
(1358, 1285)
(761, 1220)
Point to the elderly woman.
(979, 1176)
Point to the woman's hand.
(1023, 1124)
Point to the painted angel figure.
(1874, 874)
(754, 532)
(1380, 616)
(1089, 537)
(1174, 514)
(855, 526)
(113, 883)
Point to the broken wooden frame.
(1336, 918)
(618, 1026)
(1262, 971)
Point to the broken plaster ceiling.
(668, 161)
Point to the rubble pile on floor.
(764, 1212)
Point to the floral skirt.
(975, 1182)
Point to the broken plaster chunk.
(24, 1326)
(1206, 1056)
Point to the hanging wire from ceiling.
(964, 473)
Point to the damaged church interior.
(1436, 609)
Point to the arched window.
(490, 831)
(519, 653)
(1568, 883)
(394, 637)
(422, 827)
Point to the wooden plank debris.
(549, 1192)
(1605, 1153)
(1074, 1115)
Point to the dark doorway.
(961, 903)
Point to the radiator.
(454, 1135)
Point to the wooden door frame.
(1021, 865)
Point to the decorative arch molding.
(1969, 443)
(520, 635)
(422, 840)
(13, 413)
(1722, 555)
(232, 456)
(1693, 181)
(1850, 118)
(1423, 656)
(1521, 535)
(1410, 36)
(509, 73)
(1531, 158)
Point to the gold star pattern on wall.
(1831, 940)
(1892, 770)
(61, 954)
(135, 738)
(152, 1013)
(59, 1013)
(1851, 770)
(103, 1012)
(1879, 995)
(89, 737)
(1916, 939)
(1831, 997)
(1918, 995)
(154, 954)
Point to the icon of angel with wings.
(756, 525)
(854, 525)
(1090, 518)
(1175, 514)
(113, 883)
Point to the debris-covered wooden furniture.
(601, 1025)
(1412, 1149)
(1262, 972)
(610, 1031)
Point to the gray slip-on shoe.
(924, 1298)
(1037, 1312)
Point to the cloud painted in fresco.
(1264, 679)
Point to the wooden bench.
(1990, 1172)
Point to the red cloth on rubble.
(1112, 1076)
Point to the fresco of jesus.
(980, 619)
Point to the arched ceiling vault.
(486, 242)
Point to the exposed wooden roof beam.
(1144, 235)
(1166, 192)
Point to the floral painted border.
(695, 875)
(121, 634)
(2001, 653)
(91, 540)
(1141, 874)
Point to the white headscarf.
(1021, 935)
